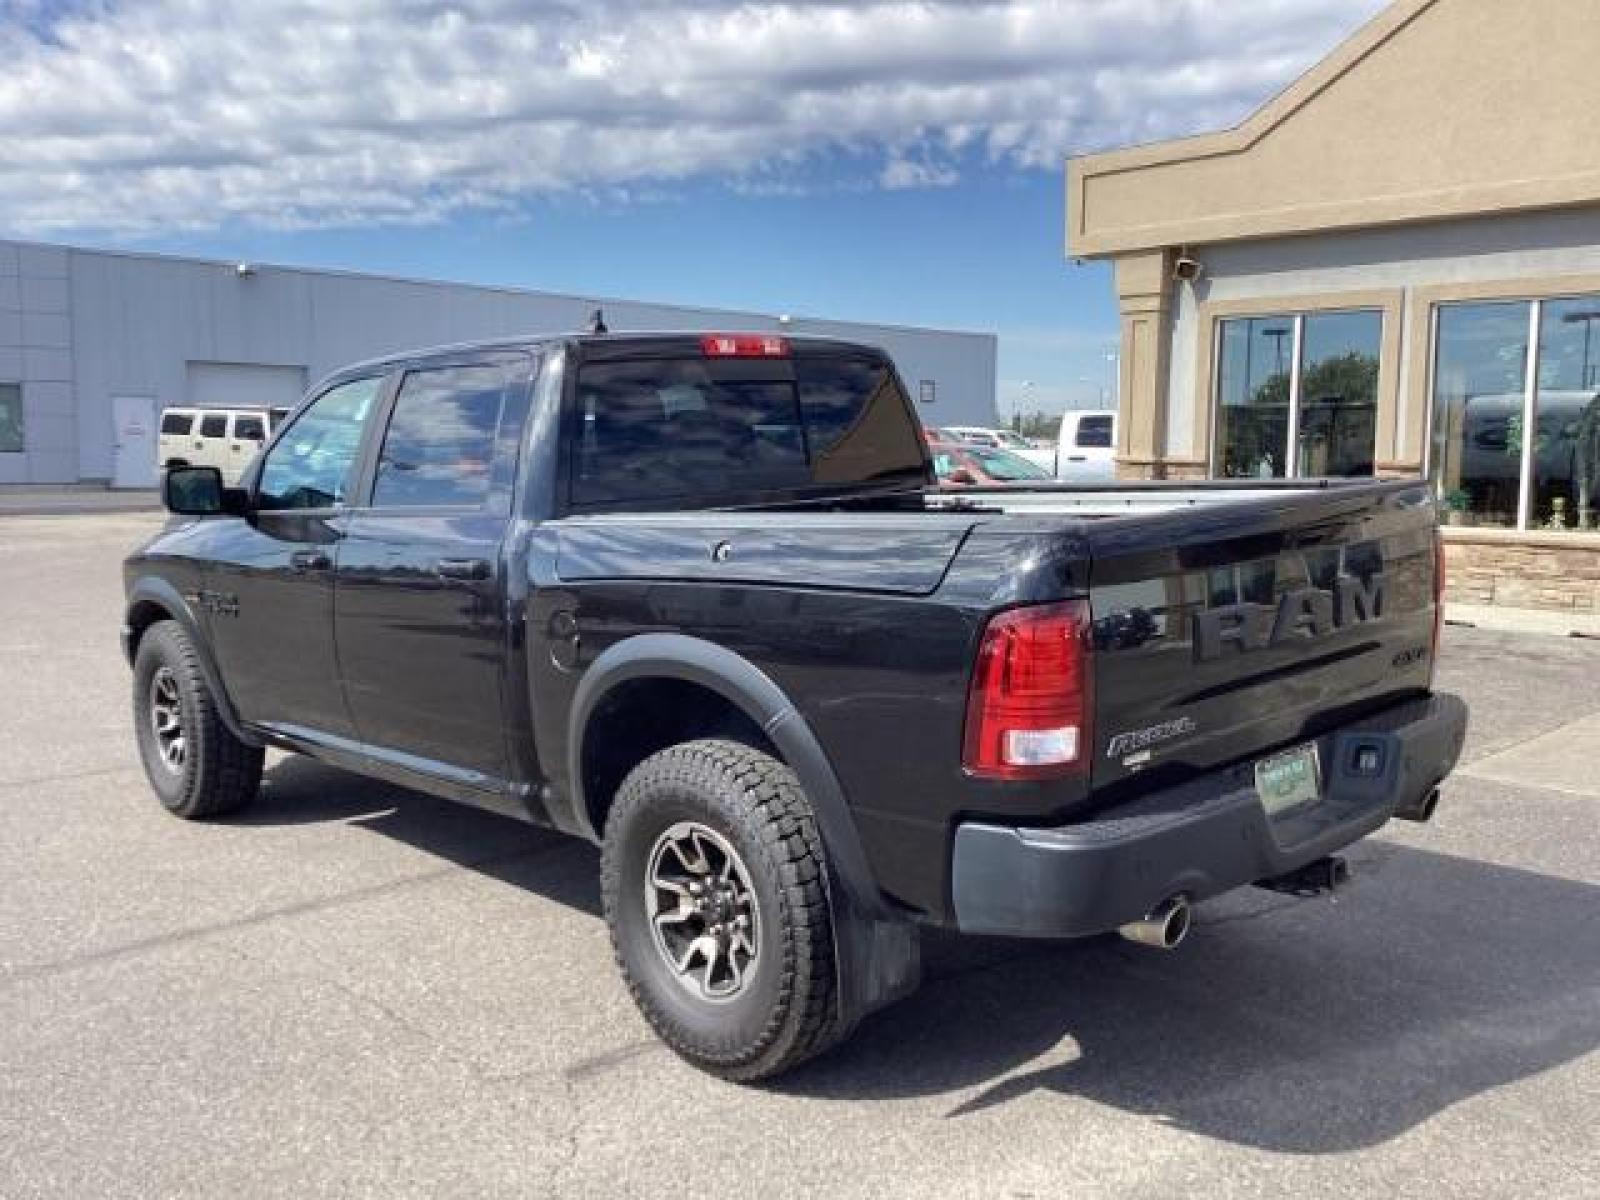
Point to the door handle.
(1077, 458)
(473, 569)
(310, 560)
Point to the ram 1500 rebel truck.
(698, 599)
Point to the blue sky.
(983, 254)
(882, 160)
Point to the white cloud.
(152, 114)
(900, 173)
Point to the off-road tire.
(786, 1011)
(218, 773)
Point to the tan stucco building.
(1392, 268)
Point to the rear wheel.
(194, 763)
(715, 886)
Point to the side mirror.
(961, 475)
(198, 492)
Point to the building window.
(11, 440)
(1500, 370)
(1297, 394)
(925, 391)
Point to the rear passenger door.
(420, 609)
(245, 438)
(211, 441)
(1089, 456)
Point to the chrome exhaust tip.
(1164, 927)
(1420, 810)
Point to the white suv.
(1087, 445)
(227, 439)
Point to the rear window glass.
(176, 423)
(214, 425)
(439, 447)
(1094, 432)
(659, 429)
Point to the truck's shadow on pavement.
(1297, 1026)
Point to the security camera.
(244, 270)
(1187, 268)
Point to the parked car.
(963, 465)
(1009, 440)
(934, 433)
(225, 438)
(696, 599)
(1086, 447)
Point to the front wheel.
(715, 886)
(194, 763)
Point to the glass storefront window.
(1253, 398)
(1297, 394)
(1339, 393)
(1480, 375)
(1486, 470)
(1566, 459)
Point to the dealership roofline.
(499, 288)
(1370, 104)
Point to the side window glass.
(311, 465)
(178, 423)
(249, 429)
(214, 425)
(439, 447)
(1094, 432)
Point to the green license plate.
(1289, 780)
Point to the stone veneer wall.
(1553, 572)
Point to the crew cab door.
(420, 611)
(271, 578)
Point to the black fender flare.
(752, 691)
(878, 951)
(159, 593)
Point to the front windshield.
(1007, 467)
(1015, 440)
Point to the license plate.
(1289, 780)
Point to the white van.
(225, 438)
(1087, 445)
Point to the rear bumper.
(1202, 838)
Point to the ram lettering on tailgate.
(1304, 613)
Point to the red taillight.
(1028, 710)
(744, 345)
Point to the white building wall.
(1483, 250)
(36, 351)
(78, 327)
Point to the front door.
(271, 581)
(421, 596)
(133, 442)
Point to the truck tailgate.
(1224, 631)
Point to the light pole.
(1588, 319)
(1020, 417)
(1277, 333)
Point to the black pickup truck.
(697, 598)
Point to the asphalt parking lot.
(352, 989)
